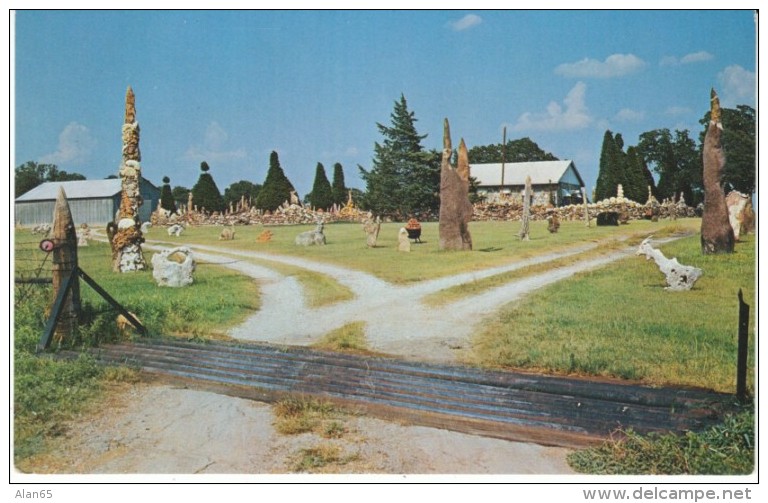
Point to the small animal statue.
(310, 238)
(175, 230)
(553, 223)
(679, 277)
(227, 234)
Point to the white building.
(556, 182)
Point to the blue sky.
(230, 87)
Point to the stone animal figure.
(227, 234)
(553, 223)
(310, 238)
(43, 229)
(175, 230)
(679, 277)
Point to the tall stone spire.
(455, 208)
(126, 242)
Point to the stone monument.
(455, 208)
(716, 231)
(127, 239)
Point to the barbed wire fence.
(32, 267)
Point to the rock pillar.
(126, 242)
(716, 231)
(455, 208)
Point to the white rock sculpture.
(175, 230)
(173, 267)
(309, 238)
(145, 227)
(679, 277)
(403, 243)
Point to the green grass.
(726, 449)
(349, 338)
(619, 321)
(217, 300)
(49, 392)
(495, 243)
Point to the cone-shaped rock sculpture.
(126, 242)
(455, 208)
(64, 258)
(716, 231)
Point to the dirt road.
(159, 429)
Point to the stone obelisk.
(455, 208)
(716, 231)
(126, 243)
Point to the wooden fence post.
(65, 266)
(742, 351)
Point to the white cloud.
(465, 23)
(675, 111)
(615, 65)
(213, 148)
(738, 85)
(572, 115)
(629, 115)
(75, 146)
(696, 57)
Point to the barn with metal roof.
(90, 201)
(556, 182)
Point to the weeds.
(350, 338)
(321, 457)
(726, 449)
(296, 415)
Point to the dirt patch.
(161, 429)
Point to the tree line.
(404, 177)
(676, 158)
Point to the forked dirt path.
(396, 320)
(161, 429)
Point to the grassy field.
(619, 321)
(616, 321)
(50, 392)
(495, 243)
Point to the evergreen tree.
(276, 189)
(608, 175)
(339, 188)
(404, 178)
(205, 193)
(181, 195)
(321, 196)
(166, 196)
(634, 180)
